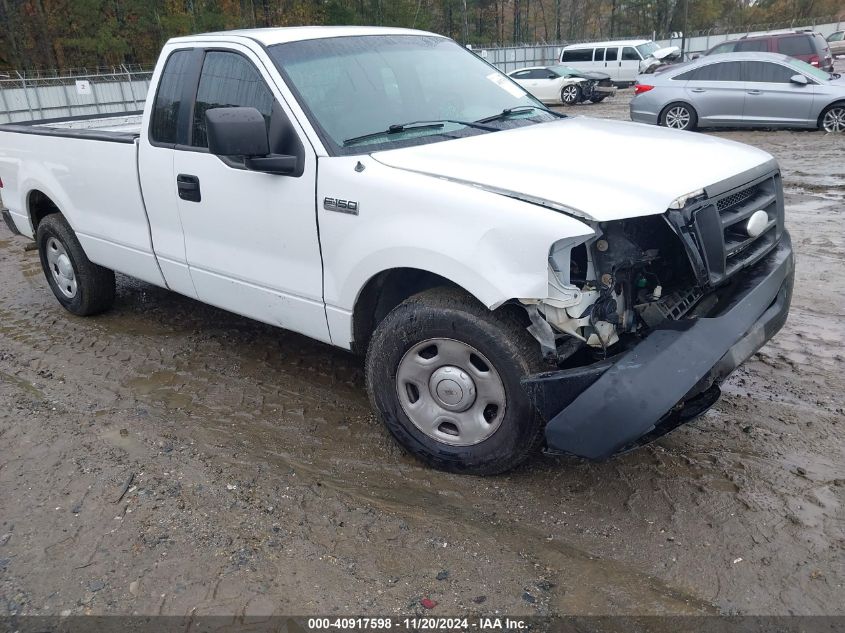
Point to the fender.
(493, 246)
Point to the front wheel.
(679, 116)
(833, 119)
(81, 286)
(570, 95)
(444, 373)
(598, 99)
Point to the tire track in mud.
(130, 368)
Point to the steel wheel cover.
(61, 268)
(451, 392)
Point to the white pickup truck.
(389, 192)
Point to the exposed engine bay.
(632, 276)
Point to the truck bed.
(88, 167)
(123, 127)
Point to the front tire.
(570, 95)
(832, 120)
(679, 116)
(598, 99)
(444, 374)
(81, 286)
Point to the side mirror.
(552, 76)
(243, 132)
(236, 132)
(801, 80)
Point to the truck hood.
(596, 169)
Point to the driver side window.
(228, 80)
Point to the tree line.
(68, 34)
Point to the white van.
(623, 60)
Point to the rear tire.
(679, 116)
(570, 95)
(444, 374)
(82, 287)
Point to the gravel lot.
(171, 458)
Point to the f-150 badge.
(342, 206)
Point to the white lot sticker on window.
(507, 85)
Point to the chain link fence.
(34, 96)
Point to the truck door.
(250, 238)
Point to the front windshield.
(563, 71)
(356, 86)
(807, 69)
(647, 49)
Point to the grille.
(736, 199)
(721, 226)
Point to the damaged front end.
(647, 318)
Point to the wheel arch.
(384, 291)
(38, 206)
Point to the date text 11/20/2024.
(417, 624)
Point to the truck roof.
(281, 35)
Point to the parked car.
(622, 60)
(742, 90)
(597, 87)
(836, 42)
(806, 46)
(505, 292)
(549, 86)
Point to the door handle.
(188, 187)
(697, 90)
(755, 92)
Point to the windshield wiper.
(413, 126)
(508, 112)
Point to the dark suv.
(804, 45)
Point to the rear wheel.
(679, 116)
(81, 286)
(833, 118)
(570, 95)
(444, 373)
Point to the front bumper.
(7, 218)
(605, 90)
(672, 375)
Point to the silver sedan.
(741, 90)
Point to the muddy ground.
(257, 481)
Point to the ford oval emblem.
(757, 223)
